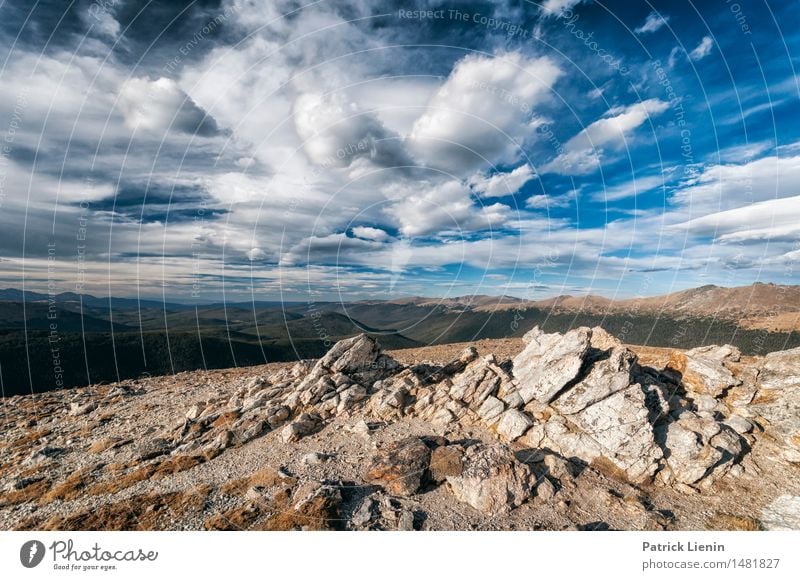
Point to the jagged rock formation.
(492, 436)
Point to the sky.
(368, 149)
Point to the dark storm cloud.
(151, 29)
(159, 202)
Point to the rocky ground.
(554, 431)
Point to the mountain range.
(96, 339)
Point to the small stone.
(254, 382)
(76, 409)
(153, 448)
(314, 458)
(491, 408)
(360, 428)
(277, 416)
(193, 412)
(364, 514)
(736, 471)
(739, 424)
(545, 490)
(442, 417)
(513, 424)
(685, 489)
(705, 403)
(405, 522)
(304, 425)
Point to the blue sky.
(355, 149)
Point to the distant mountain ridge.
(742, 302)
(102, 339)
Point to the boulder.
(703, 369)
(549, 362)
(492, 480)
(358, 358)
(614, 434)
(480, 380)
(446, 461)
(699, 449)
(316, 506)
(443, 417)
(400, 466)
(607, 376)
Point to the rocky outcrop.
(777, 401)
(365, 440)
(590, 408)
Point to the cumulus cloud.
(582, 153)
(652, 23)
(337, 133)
(483, 112)
(444, 207)
(703, 49)
(161, 105)
(501, 184)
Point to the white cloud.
(501, 184)
(721, 187)
(372, 234)
(628, 189)
(552, 7)
(672, 60)
(483, 112)
(703, 49)
(161, 105)
(327, 249)
(255, 254)
(764, 221)
(397, 101)
(444, 207)
(652, 23)
(582, 153)
(743, 153)
(544, 201)
(337, 133)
